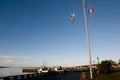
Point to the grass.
(111, 76)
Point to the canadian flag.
(91, 10)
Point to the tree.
(112, 62)
(119, 62)
(105, 67)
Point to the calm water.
(10, 71)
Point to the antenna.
(44, 63)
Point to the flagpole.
(88, 41)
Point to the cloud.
(13, 57)
(7, 57)
(14, 60)
(8, 61)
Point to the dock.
(45, 76)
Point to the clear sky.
(34, 31)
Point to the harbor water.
(10, 72)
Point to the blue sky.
(34, 31)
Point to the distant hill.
(4, 67)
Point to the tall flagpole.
(87, 36)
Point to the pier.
(46, 76)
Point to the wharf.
(46, 76)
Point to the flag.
(72, 17)
(91, 10)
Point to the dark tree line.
(105, 67)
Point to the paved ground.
(62, 76)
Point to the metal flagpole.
(87, 36)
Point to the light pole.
(88, 41)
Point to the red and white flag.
(91, 10)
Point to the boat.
(43, 70)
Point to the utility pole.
(88, 41)
(98, 60)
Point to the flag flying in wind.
(91, 10)
(72, 17)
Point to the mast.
(88, 41)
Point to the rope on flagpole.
(90, 17)
(90, 5)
